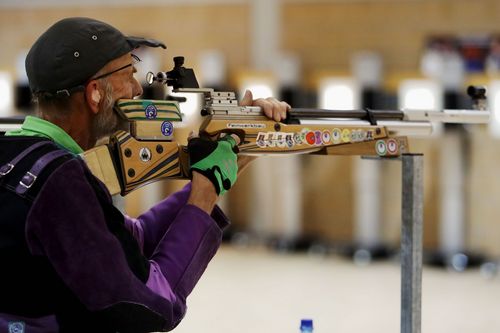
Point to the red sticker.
(392, 146)
(311, 138)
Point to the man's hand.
(216, 160)
(272, 108)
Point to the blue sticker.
(289, 140)
(151, 111)
(261, 140)
(16, 327)
(167, 128)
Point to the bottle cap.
(306, 324)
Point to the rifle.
(149, 152)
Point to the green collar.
(33, 126)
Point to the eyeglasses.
(135, 61)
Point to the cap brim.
(136, 42)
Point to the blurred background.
(335, 220)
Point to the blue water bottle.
(306, 326)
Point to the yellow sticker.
(346, 135)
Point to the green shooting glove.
(216, 160)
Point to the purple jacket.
(66, 224)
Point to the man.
(71, 261)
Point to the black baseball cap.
(73, 50)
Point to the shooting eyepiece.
(161, 77)
(478, 96)
(178, 77)
(476, 92)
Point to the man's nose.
(136, 89)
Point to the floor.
(249, 290)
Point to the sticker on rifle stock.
(346, 135)
(289, 140)
(381, 147)
(145, 154)
(261, 140)
(362, 135)
(392, 146)
(354, 136)
(310, 138)
(326, 137)
(274, 139)
(358, 135)
(151, 111)
(167, 128)
(297, 138)
(318, 135)
(243, 126)
(336, 135)
(270, 139)
(280, 139)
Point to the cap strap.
(63, 92)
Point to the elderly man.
(71, 261)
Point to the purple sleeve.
(150, 227)
(67, 225)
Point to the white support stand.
(411, 243)
(277, 197)
(451, 187)
(367, 202)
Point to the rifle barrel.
(12, 120)
(304, 113)
(10, 123)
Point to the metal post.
(411, 243)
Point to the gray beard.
(108, 122)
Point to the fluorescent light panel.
(420, 95)
(261, 87)
(494, 106)
(6, 95)
(339, 94)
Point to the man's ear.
(93, 96)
